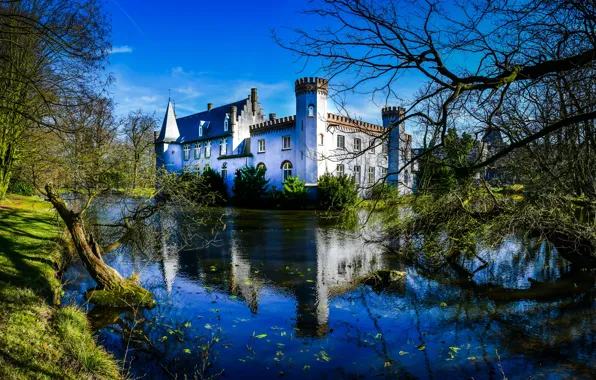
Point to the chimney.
(155, 135)
(272, 116)
(233, 115)
(254, 98)
(209, 106)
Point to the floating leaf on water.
(163, 339)
(324, 356)
(208, 326)
(283, 333)
(421, 347)
(233, 297)
(306, 368)
(280, 345)
(402, 353)
(187, 324)
(443, 304)
(454, 349)
(387, 364)
(309, 271)
(472, 358)
(187, 350)
(378, 336)
(242, 360)
(310, 281)
(261, 336)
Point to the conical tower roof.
(169, 129)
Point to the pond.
(280, 294)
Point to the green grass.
(38, 340)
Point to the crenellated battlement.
(351, 123)
(310, 84)
(281, 122)
(393, 111)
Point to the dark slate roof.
(213, 123)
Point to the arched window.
(261, 166)
(226, 122)
(311, 111)
(286, 170)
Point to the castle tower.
(392, 118)
(167, 152)
(311, 121)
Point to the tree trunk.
(86, 246)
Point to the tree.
(137, 128)
(478, 58)
(250, 186)
(337, 192)
(50, 52)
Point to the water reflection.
(296, 279)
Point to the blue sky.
(208, 51)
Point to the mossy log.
(110, 284)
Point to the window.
(385, 148)
(357, 145)
(197, 150)
(311, 111)
(261, 166)
(371, 175)
(340, 170)
(321, 139)
(371, 146)
(186, 152)
(261, 146)
(224, 170)
(286, 169)
(208, 149)
(383, 172)
(226, 122)
(341, 141)
(286, 142)
(223, 147)
(357, 174)
(200, 131)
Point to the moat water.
(279, 294)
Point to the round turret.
(306, 85)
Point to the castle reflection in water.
(294, 253)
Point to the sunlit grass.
(39, 341)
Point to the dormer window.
(226, 122)
(311, 111)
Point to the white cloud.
(189, 91)
(121, 49)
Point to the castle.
(308, 144)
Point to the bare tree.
(137, 129)
(474, 56)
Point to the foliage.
(45, 341)
(444, 171)
(215, 184)
(250, 186)
(337, 192)
(20, 187)
(295, 193)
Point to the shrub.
(337, 192)
(295, 192)
(215, 183)
(250, 186)
(382, 191)
(21, 187)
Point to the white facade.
(308, 144)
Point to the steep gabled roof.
(169, 129)
(212, 121)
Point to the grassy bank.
(38, 339)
